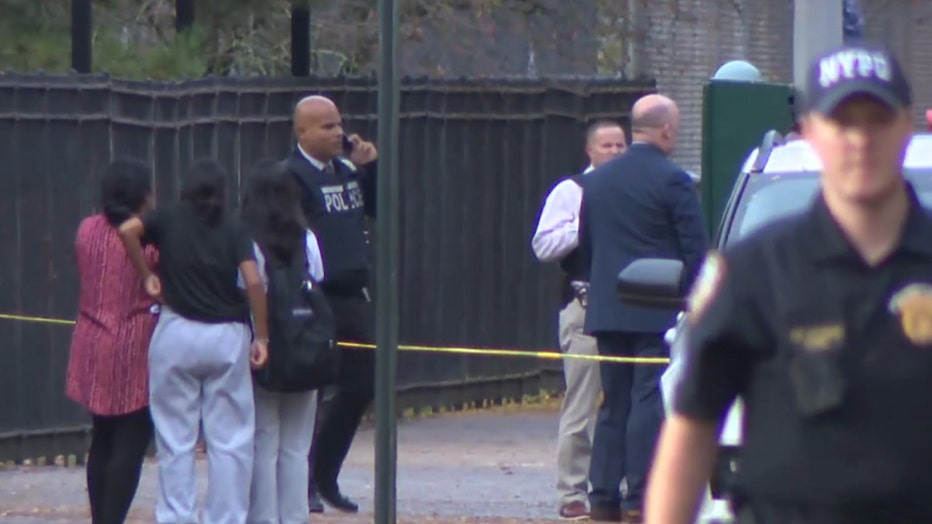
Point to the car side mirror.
(652, 283)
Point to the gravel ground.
(489, 466)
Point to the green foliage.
(32, 35)
(46, 51)
(50, 51)
(181, 56)
(36, 35)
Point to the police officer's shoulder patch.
(913, 304)
(706, 286)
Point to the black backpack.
(303, 353)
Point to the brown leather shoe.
(605, 514)
(576, 510)
(632, 516)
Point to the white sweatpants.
(284, 428)
(201, 371)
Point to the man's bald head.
(311, 104)
(311, 108)
(318, 127)
(655, 119)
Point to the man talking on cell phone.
(336, 196)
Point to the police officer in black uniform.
(822, 324)
(336, 195)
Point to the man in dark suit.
(640, 204)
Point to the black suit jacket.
(640, 204)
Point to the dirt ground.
(490, 467)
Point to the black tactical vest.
(334, 208)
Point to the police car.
(778, 179)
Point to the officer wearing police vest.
(822, 323)
(336, 195)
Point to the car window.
(772, 196)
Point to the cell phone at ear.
(348, 145)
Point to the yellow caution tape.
(43, 320)
(550, 355)
(547, 355)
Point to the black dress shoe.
(334, 498)
(314, 505)
(605, 514)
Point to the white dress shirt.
(558, 229)
(314, 162)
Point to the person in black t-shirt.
(822, 324)
(200, 354)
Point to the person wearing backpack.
(302, 346)
(202, 348)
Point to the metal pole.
(81, 24)
(300, 38)
(184, 15)
(817, 27)
(387, 240)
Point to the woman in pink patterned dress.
(107, 371)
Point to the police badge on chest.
(913, 305)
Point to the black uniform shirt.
(833, 359)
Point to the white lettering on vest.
(355, 194)
(333, 198)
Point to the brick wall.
(683, 42)
(905, 26)
(680, 43)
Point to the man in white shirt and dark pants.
(556, 239)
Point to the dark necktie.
(328, 169)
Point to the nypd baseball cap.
(855, 70)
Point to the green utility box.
(735, 117)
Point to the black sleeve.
(153, 225)
(722, 340)
(368, 175)
(242, 244)
(686, 213)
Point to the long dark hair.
(271, 210)
(204, 187)
(124, 188)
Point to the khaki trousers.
(580, 406)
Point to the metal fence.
(477, 156)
